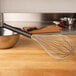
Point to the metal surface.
(35, 19)
(8, 38)
(1, 20)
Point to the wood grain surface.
(28, 58)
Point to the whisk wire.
(58, 46)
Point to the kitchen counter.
(28, 58)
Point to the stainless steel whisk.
(58, 46)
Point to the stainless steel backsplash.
(35, 19)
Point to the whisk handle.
(17, 30)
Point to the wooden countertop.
(28, 58)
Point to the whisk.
(58, 46)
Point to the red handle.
(63, 25)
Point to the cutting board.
(28, 58)
(47, 29)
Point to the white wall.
(38, 5)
